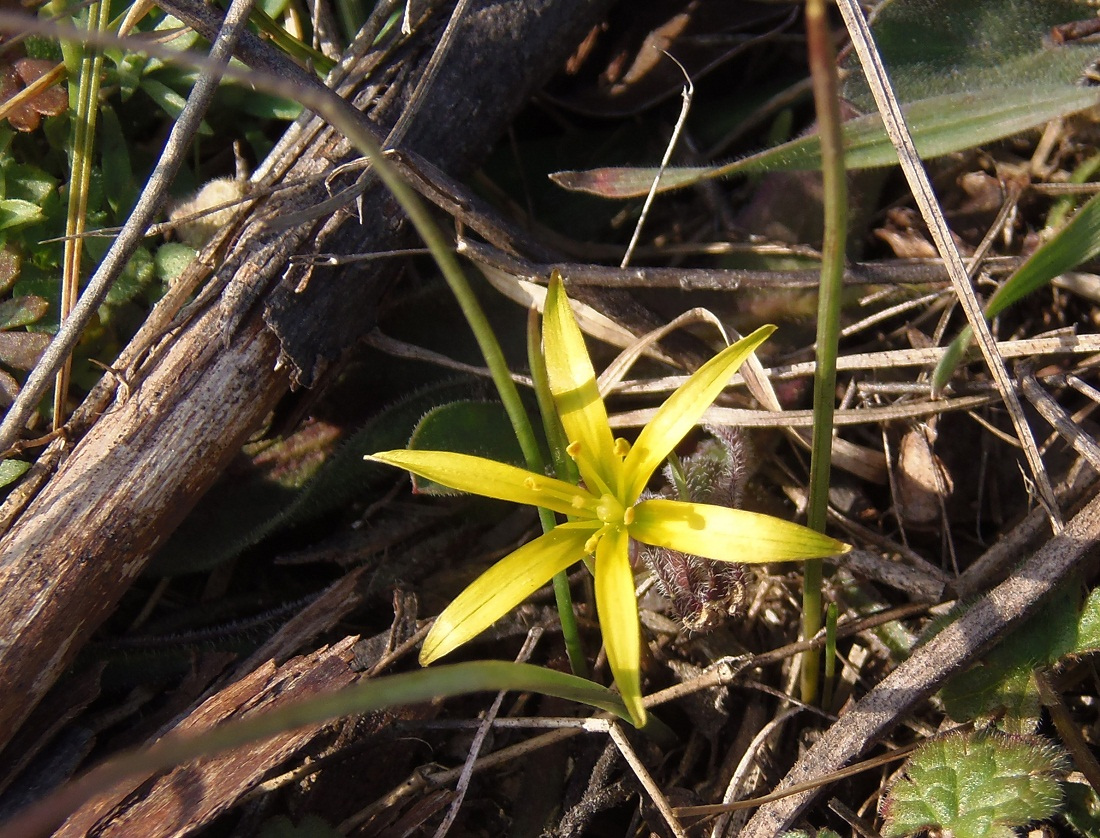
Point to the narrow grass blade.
(375, 694)
(940, 125)
(1077, 242)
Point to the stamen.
(573, 449)
(531, 483)
(577, 502)
(622, 447)
(590, 545)
(628, 516)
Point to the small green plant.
(976, 785)
(1003, 689)
(606, 511)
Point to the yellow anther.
(531, 483)
(622, 447)
(577, 502)
(590, 545)
(628, 516)
(573, 449)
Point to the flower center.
(612, 512)
(609, 510)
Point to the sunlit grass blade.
(1074, 244)
(504, 586)
(940, 125)
(367, 696)
(681, 411)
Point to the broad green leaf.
(1082, 810)
(1088, 626)
(233, 518)
(29, 183)
(479, 428)
(118, 174)
(977, 785)
(934, 47)
(940, 125)
(1074, 244)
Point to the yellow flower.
(604, 512)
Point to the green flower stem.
(822, 57)
(830, 655)
(566, 470)
(444, 256)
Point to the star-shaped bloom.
(604, 512)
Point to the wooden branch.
(186, 407)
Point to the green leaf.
(1082, 809)
(1003, 682)
(932, 47)
(976, 785)
(481, 429)
(171, 260)
(170, 101)
(22, 311)
(1077, 242)
(138, 273)
(1088, 626)
(364, 697)
(12, 470)
(21, 350)
(233, 518)
(118, 173)
(17, 213)
(940, 125)
(30, 184)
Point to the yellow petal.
(576, 396)
(618, 612)
(681, 411)
(479, 476)
(727, 535)
(504, 586)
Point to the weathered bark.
(184, 413)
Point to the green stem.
(822, 58)
(566, 470)
(830, 655)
